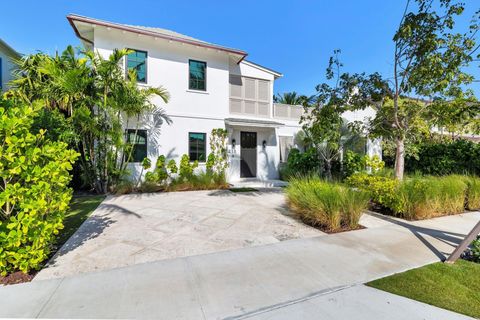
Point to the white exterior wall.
(192, 111)
(197, 111)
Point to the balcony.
(287, 111)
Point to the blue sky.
(293, 37)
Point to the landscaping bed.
(454, 287)
(81, 207)
(330, 207)
(419, 197)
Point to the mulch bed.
(328, 231)
(16, 277)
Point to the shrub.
(172, 167)
(329, 205)
(201, 181)
(124, 186)
(187, 168)
(34, 189)
(382, 190)
(427, 197)
(475, 250)
(434, 158)
(473, 193)
(352, 163)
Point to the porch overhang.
(237, 122)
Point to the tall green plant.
(98, 100)
(34, 193)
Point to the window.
(137, 60)
(197, 146)
(197, 75)
(139, 144)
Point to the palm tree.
(97, 98)
(293, 98)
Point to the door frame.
(242, 174)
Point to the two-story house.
(211, 86)
(7, 54)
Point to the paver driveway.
(131, 229)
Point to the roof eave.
(72, 18)
(12, 51)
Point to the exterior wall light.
(264, 144)
(234, 142)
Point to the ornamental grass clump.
(428, 197)
(331, 206)
(473, 193)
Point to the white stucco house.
(7, 53)
(211, 86)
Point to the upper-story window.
(197, 75)
(137, 60)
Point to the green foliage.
(352, 163)
(146, 163)
(217, 161)
(34, 188)
(329, 205)
(475, 250)
(172, 167)
(382, 190)
(299, 163)
(473, 193)
(186, 167)
(97, 100)
(161, 170)
(201, 181)
(453, 287)
(442, 158)
(427, 197)
(417, 197)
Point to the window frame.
(127, 132)
(146, 65)
(205, 145)
(205, 76)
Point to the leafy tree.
(98, 102)
(322, 122)
(34, 193)
(429, 61)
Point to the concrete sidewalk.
(254, 282)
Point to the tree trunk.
(399, 158)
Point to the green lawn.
(80, 209)
(453, 287)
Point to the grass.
(473, 193)
(428, 197)
(454, 287)
(330, 206)
(80, 209)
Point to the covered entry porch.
(253, 149)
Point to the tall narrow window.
(137, 60)
(197, 78)
(138, 140)
(197, 146)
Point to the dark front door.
(248, 154)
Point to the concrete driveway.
(131, 229)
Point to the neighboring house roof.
(9, 49)
(83, 27)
